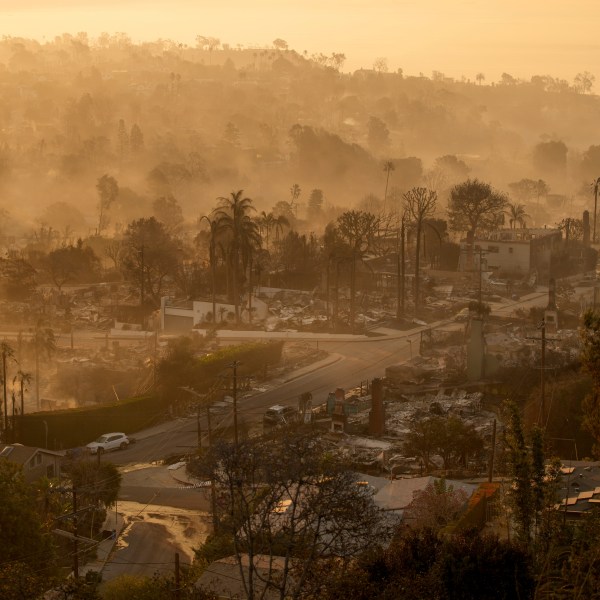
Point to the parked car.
(108, 442)
(280, 415)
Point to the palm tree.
(212, 258)
(23, 379)
(44, 342)
(388, 167)
(250, 246)
(266, 222)
(480, 78)
(233, 217)
(516, 214)
(280, 222)
(7, 352)
(295, 192)
(356, 229)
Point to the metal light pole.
(234, 365)
(596, 184)
(142, 287)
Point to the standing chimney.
(377, 413)
(551, 312)
(586, 227)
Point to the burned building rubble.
(370, 427)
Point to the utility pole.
(402, 270)
(234, 365)
(177, 580)
(37, 366)
(542, 339)
(543, 377)
(4, 389)
(208, 425)
(352, 290)
(480, 252)
(154, 355)
(199, 428)
(480, 283)
(142, 287)
(493, 454)
(74, 535)
(480, 287)
(75, 541)
(596, 184)
(213, 495)
(327, 292)
(213, 491)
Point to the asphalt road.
(155, 485)
(357, 361)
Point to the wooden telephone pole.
(543, 340)
(234, 365)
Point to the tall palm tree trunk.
(235, 281)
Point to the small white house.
(513, 252)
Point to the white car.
(108, 442)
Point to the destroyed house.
(579, 490)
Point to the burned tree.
(420, 204)
(284, 506)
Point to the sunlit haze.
(456, 38)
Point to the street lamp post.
(596, 184)
(142, 286)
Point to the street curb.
(326, 362)
(186, 483)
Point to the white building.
(183, 316)
(514, 252)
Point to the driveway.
(151, 537)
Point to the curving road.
(354, 362)
(358, 361)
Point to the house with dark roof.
(579, 491)
(36, 462)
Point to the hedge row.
(76, 427)
(254, 359)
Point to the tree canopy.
(475, 207)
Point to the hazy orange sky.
(463, 37)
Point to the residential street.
(155, 504)
(349, 363)
(151, 537)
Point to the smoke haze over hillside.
(459, 38)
